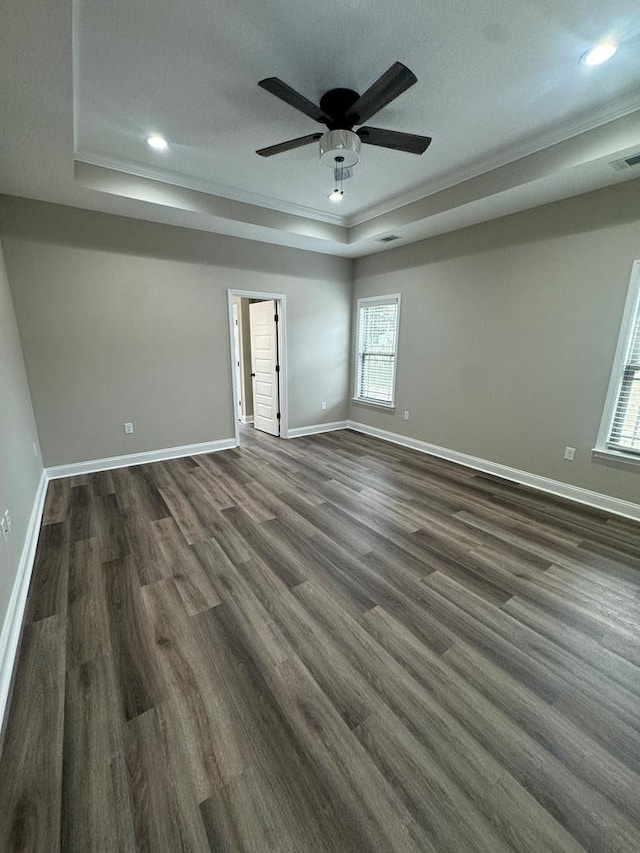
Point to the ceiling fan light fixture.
(340, 143)
(336, 195)
(157, 142)
(599, 53)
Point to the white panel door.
(264, 359)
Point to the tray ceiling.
(500, 88)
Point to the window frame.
(383, 299)
(604, 448)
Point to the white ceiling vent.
(388, 239)
(626, 162)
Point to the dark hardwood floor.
(327, 644)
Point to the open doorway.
(257, 335)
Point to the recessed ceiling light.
(336, 195)
(158, 143)
(599, 53)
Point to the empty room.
(320, 426)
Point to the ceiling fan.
(341, 110)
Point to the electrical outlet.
(7, 519)
(128, 428)
(405, 414)
(569, 453)
(323, 406)
(4, 528)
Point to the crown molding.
(506, 156)
(533, 145)
(572, 134)
(175, 179)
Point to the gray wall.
(508, 332)
(123, 320)
(20, 469)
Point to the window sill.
(616, 456)
(374, 403)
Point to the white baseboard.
(313, 429)
(10, 634)
(246, 419)
(617, 506)
(110, 462)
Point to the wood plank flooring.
(327, 644)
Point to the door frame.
(281, 301)
(237, 360)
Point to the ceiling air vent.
(388, 239)
(626, 162)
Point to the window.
(620, 428)
(377, 342)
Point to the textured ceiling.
(497, 82)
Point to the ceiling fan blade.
(409, 142)
(393, 82)
(289, 145)
(283, 91)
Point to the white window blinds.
(624, 433)
(377, 348)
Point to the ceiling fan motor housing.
(340, 143)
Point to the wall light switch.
(405, 414)
(569, 453)
(323, 406)
(128, 428)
